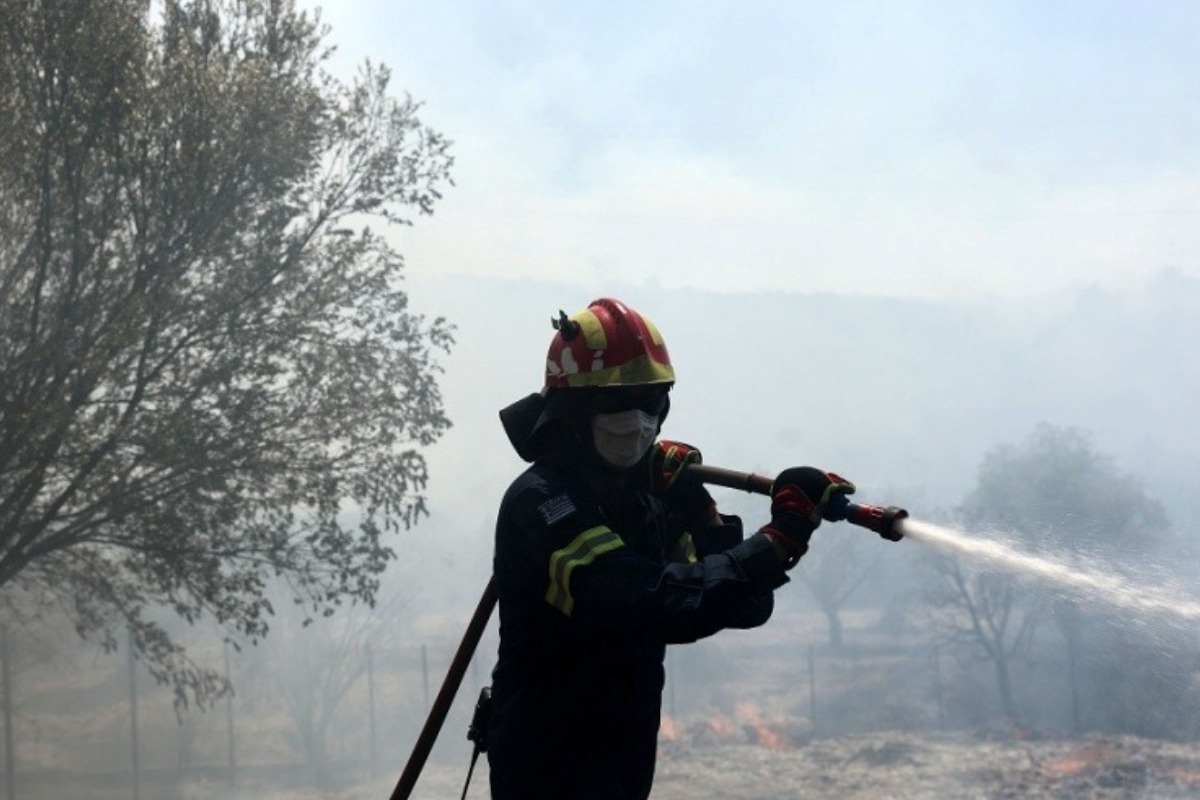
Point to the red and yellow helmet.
(607, 344)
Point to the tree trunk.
(1004, 684)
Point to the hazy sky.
(930, 149)
(936, 151)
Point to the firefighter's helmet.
(603, 353)
(606, 344)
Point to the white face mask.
(623, 438)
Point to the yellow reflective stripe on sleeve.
(582, 551)
(684, 551)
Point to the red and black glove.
(665, 473)
(800, 498)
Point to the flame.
(721, 727)
(764, 732)
(768, 737)
(745, 725)
(668, 729)
(1080, 760)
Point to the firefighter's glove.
(665, 474)
(800, 498)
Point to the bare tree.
(835, 567)
(982, 612)
(206, 356)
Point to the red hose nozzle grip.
(881, 520)
(875, 518)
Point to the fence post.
(374, 752)
(812, 685)
(1072, 676)
(133, 720)
(229, 732)
(938, 689)
(10, 752)
(425, 672)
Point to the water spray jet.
(1112, 589)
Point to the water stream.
(1092, 583)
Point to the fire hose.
(884, 521)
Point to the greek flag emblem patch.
(556, 509)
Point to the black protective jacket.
(594, 580)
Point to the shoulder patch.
(556, 509)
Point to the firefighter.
(605, 553)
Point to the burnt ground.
(919, 767)
(887, 766)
